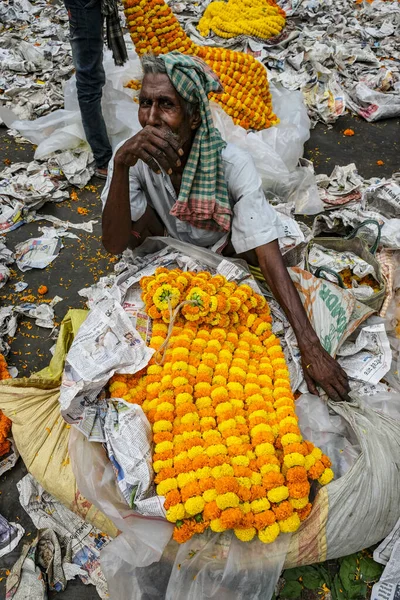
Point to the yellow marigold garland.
(259, 18)
(228, 451)
(154, 28)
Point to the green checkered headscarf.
(203, 198)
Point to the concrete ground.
(80, 263)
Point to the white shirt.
(254, 221)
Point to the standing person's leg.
(86, 35)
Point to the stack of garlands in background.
(5, 423)
(228, 449)
(258, 18)
(246, 98)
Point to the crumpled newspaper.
(388, 553)
(385, 549)
(6, 258)
(384, 197)
(8, 327)
(65, 547)
(350, 200)
(35, 56)
(64, 225)
(369, 357)
(106, 343)
(37, 253)
(42, 313)
(11, 214)
(339, 220)
(10, 535)
(32, 184)
(8, 461)
(341, 187)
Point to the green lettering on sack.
(324, 292)
(339, 312)
(332, 302)
(342, 324)
(334, 306)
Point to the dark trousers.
(86, 36)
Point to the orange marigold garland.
(154, 28)
(228, 451)
(5, 423)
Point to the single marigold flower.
(245, 534)
(296, 475)
(211, 511)
(299, 490)
(172, 498)
(273, 480)
(264, 519)
(304, 512)
(290, 524)
(269, 534)
(316, 470)
(283, 510)
(231, 518)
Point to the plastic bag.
(60, 130)
(352, 252)
(224, 569)
(386, 403)
(293, 129)
(40, 433)
(304, 191)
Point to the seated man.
(178, 175)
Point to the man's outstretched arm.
(318, 366)
(116, 222)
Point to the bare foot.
(101, 173)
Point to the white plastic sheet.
(225, 568)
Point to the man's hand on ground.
(319, 367)
(157, 147)
(323, 370)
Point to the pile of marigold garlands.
(259, 18)
(228, 449)
(5, 423)
(246, 98)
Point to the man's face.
(160, 106)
